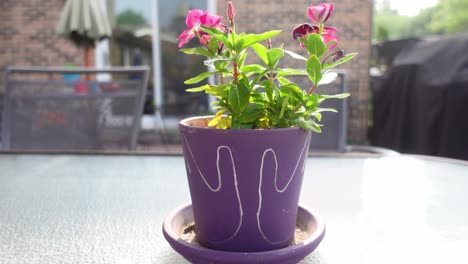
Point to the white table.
(109, 208)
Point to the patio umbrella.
(84, 22)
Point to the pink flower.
(321, 12)
(205, 39)
(302, 30)
(231, 11)
(195, 19)
(328, 33)
(209, 20)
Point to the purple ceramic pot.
(244, 184)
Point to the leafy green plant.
(254, 96)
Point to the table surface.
(109, 208)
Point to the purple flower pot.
(244, 184)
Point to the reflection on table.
(109, 208)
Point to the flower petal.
(303, 29)
(321, 12)
(185, 37)
(329, 34)
(231, 11)
(204, 38)
(209, 20)
(193, 17)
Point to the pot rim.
(183, 125)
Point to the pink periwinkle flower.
(338, 55)
(231, 11)
(302, 30)
(205, 38)
(321, 12)
(329, 34)
(195, 19)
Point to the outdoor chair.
(334, 131)
(52, 108)
(333, 136)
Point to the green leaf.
(219, 35)
(283, 106)
(293, 90)
(258, 97)
(213, 46)
(217, 117)
(198, 51)
(295, 55)
(219, 91)
(213, 31)
(242, 57)
(312, 101)
(320, 110)
(224, 123)
(288, 72)
(337, 96)
(314, 45)
(239, 96)
(234, 123)
(316, 127)
(225, 41)
(308, 124)
(274, 55)
(282, 80)
(314, 69)
(251, 114)
(250, 39)
(331, 43)
(318, 116)
(253, 68)
(261, 52)
(269, 90)
(202, 76)
(198, 89)
(346, 58)
(217, 59)
(221, 66)
(260, 76)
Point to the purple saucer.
(176, 228)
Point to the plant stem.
(271, 78)
(236, 73)
(311, 91)
(221, 78)
(327, 57)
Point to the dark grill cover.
(421, 106)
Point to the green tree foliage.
(421, 24)
(447, 17)
(388, 24)
(130, 17)
(451, 16)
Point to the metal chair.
(334, 132)
(333, 136)
(54, 108)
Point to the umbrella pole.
(88, 53)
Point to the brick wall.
(352, 18)
(28, 38)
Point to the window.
(146, 32)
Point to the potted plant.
(245, 164)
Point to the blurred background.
(409, 84)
